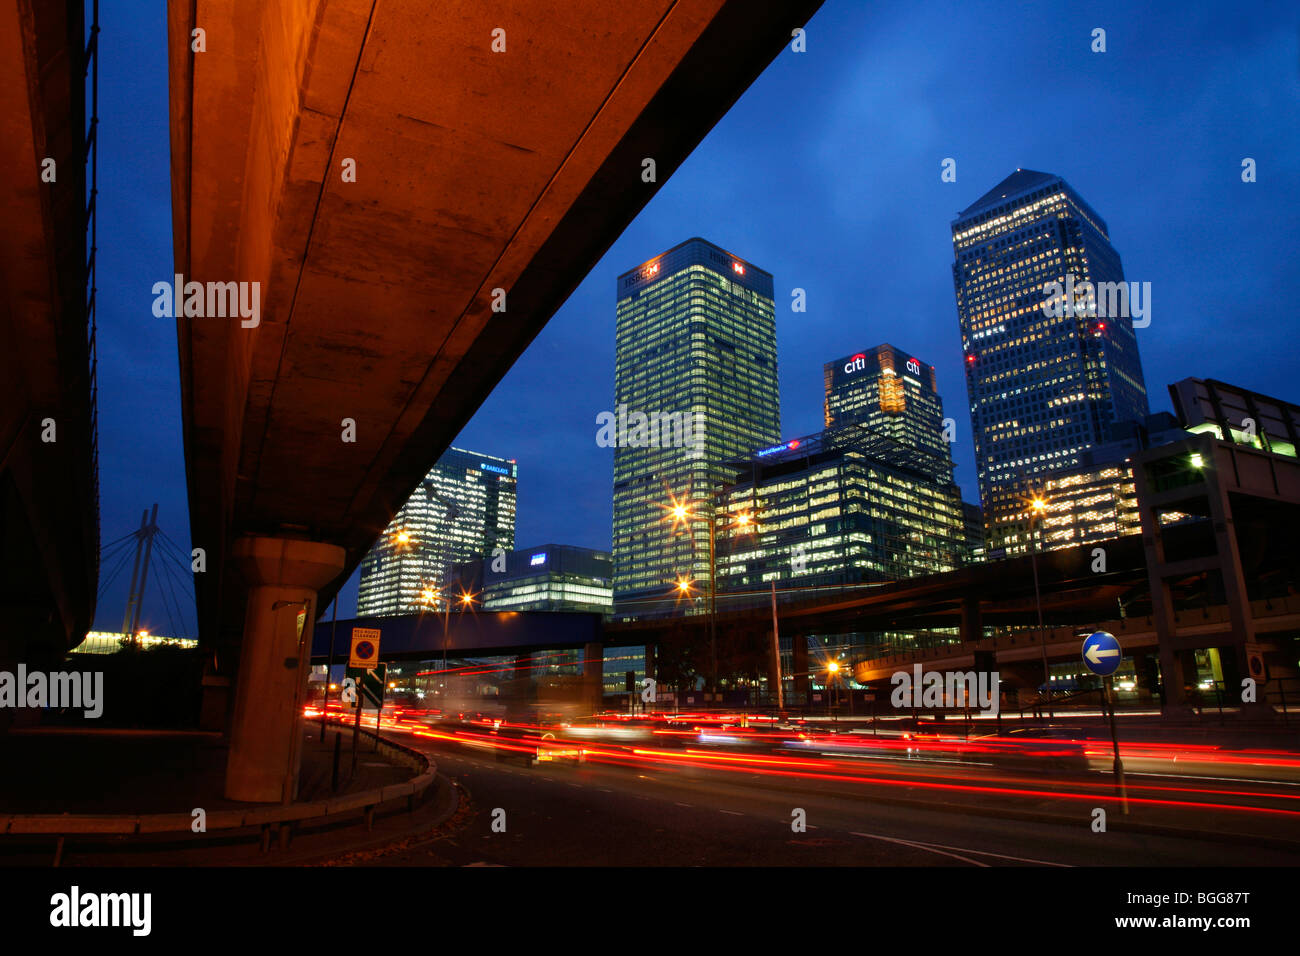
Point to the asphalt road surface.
(577, 815)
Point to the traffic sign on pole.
(365, 647)
(369, 682)
(1102, 653)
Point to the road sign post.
(365, 654)
(381, 672)
(1102, 655)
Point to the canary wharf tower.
(694, 385)
(1046, 377)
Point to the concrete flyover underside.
(49, 534)
(496, 146)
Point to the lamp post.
(832, 669)
(428, 595)
(1036, 508)
(680, 513)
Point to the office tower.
(973, 516)
(894, 394)
(846, 506)
(463, 509)
(1096, 500)
(1050, 354)
(695, 384)
(552, 577)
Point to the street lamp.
(832, 669)
(1037, 507)
(429, 596)
(682, 514)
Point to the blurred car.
(1030, 748)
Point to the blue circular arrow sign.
(1101, 653)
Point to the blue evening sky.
(827, 174)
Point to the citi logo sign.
(914, 366)
(856, 364)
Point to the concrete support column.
(593, 675)
(1234, 578)
(264, 751)
(1177, 670)
(1172, 676)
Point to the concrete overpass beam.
(283, 576)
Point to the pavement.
(159, 771)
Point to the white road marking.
(938, 847)
(733, 813)
(918, 846)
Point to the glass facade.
(848, 506)
(551, 577)
(463, 509)
(894, 394)
(1097, 499)
(696, 337)
(1046, 378)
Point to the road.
(606, 815)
